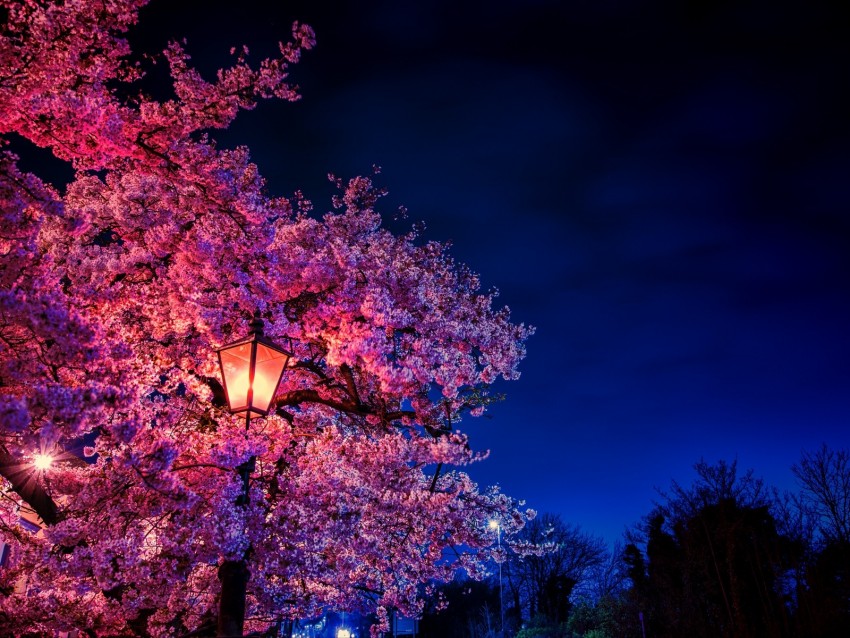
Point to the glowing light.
(263, 387)
(236, 361)
(42, 461)
(343, 633)
(494, 524)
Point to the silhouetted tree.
(466, 602)
(825, 595)
(823, 506)
(824, 478)
(715, 562)
(541, 584)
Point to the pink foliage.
(115, 294)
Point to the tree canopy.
(117, 288)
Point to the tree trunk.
(234, 576)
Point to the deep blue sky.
(662, 189)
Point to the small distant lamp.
(251, 369)
(343, 633)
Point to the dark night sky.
(660, 188)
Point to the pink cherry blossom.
(116, 290)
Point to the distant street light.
(494, 524)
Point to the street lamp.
(251, 369)
(494, 524)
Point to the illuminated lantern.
(251, 369)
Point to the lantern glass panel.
(235, 367)
(267, 373)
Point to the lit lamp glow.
(42, 462)
(251, 369)
(343, 633)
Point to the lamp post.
(251, 369)
(494, 524)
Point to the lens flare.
(42, 461)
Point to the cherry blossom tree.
(116, 290)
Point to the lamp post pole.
(251, 369)
(497, 526)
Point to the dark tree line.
(726, 557)
(714, 561)
(537, 589)
(729, 557)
